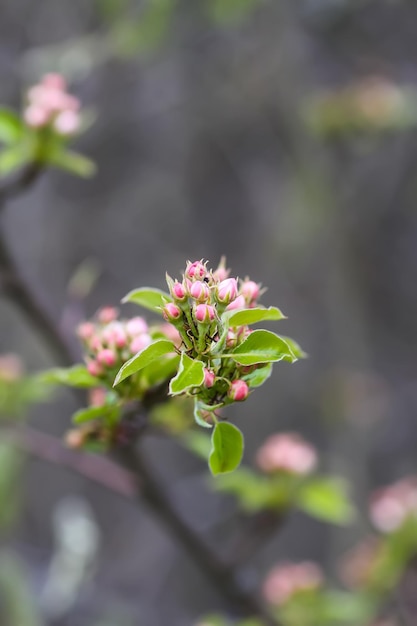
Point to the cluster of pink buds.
(110, 342)
(49, 104)
(286, 452)
(392, 505)
(287, 579)
(198, 302)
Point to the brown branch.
(14, 285)
(223, 577)
(96, 468)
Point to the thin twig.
(96, 468)
(220, 574)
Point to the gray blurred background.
(204, 147)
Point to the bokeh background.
(281, 134)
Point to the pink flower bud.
(140, 342)
(221, 273)
(178, 291)
(94, 368)
(231, 339)
(237, 303)
(204, 313)
(85, 330)
(114, 334)
(107, 314)
(209, 378)
(95, 343)
(172, 333)
(97, 396)
(287, 579)
(196, 270)
(286, 452)
(250, 290)
(136, 326)
(67, 122)
(36, 116)
(238, 390)
(171, 312)
(199, 291)
(227, 290)
(55, 81)
(107, 357)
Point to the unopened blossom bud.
(171, 312)
(178, 292)
(11, 367)
(227, 290)
(107, 357)
(85, 331)
(114, 334)
(238, 391)
(209, 378)
(171, 333)
(221, 273)
(196, 270)
(36, 116)
(136, 326)
(237, 303)
(55, 81)
(231, 339)
(107, 314)
(97, 396)
(74, 438)
(199, 291)
(67, 122)
(286, 452)
(285, 580)
(250, 291)
(204, 313)
(140, 342)
(392, 505)
(94, 368)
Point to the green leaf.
(227, 448)
(229, 10)
(190, 374)
(11, 126)
(261, 346)
(152, 299)
(295, 348)
(76, 376)
(161, 369)
(258, 376)
(252, 316)
(199, 414)
(327, 499)
(13, 158)
(71, 162)
(152, 352)
(96, 412)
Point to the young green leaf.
(327, 499)
(152, 299)
(190, 374)
(13, 158)
(252, 316)
(200, 413)
(295, 348)
(152, 352)
(71, 162)
(108, 413)
(76, 376)
(227, 448)
(10, 126)
(262, 346)
(258, 376)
